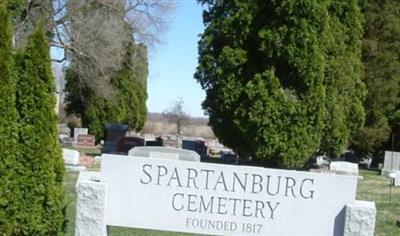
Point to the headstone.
(165, 153)
(114, 132)
(64, 131)
(198, 146)
(229, 157)
(71, 157)
(86, 140)
(127, 143)
(157, 142)
(205, 198)
(79, 131)
(391, 162)
(67, 140)
(343, 167)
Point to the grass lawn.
(376, 188)
(372, 188)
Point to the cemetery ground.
(373, 187)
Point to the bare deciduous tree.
(177, 115)
(94, 33)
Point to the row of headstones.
(391, 167)
(81, 136)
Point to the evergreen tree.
(41, 169)
(8, 126)
(344, 88)
(127, 103)
(381, 50)
(282, 78)
(16, 8)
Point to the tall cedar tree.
(381, 50)
(8, 126)
(41, 169)
(127, 103)
(282, 78)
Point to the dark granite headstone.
(158, 142)
(127, 143)
(229, 157)
(114, 132)
(198, 146)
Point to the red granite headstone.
(85, 140)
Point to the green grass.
(69, 183)
(373, 187)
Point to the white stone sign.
(215, 199)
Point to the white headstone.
(71, 157)
(344, 167)
(391, 162)
(79, 131)
(206, 198)
(165, 153)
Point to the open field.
(373, 187)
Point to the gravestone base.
(396, 179)
(360, 219)
(91, 205)
(385, 172)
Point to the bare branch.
(94, 34)
(59, 60)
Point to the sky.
(173, 63)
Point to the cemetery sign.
(223, 200)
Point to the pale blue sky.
(173, 63)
